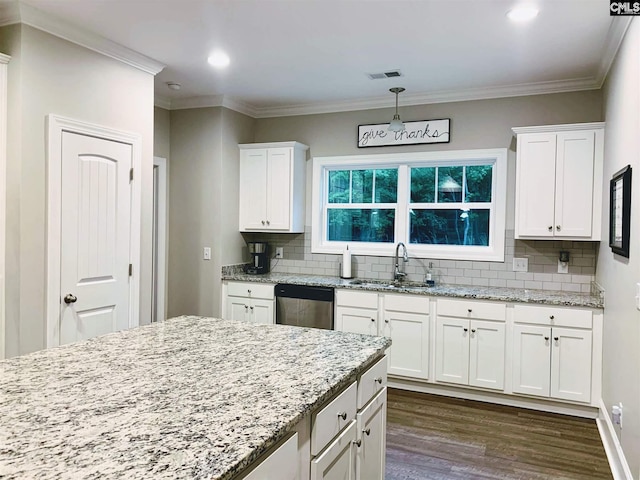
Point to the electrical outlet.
(206, 253)
(521, 264)
(279, 252)
(563, 267)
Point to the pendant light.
(396, 124)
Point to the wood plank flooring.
(430, 437)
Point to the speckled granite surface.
(188, 398)
(460, 291)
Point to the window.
(440, 204)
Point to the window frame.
(495, 252)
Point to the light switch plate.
(521, 264)
(638, 296)
(206, 254)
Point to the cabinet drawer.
(553, 316)
(472, 309)
(407, 303)
(329, 421)
(371, 382)
(350, 298)
(251, 290)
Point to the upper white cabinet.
(559, 171)
(272, 187)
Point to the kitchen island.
(191, 397)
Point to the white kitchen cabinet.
(249, 302)
(559, 171)
(281, 464)
(272, 187)
(371, 439)
(550, 359)
(470, 350)
(338, 460)
(356, 312)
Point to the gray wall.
(203, 205)
(618, 275)
(50, 75)
(161, 132)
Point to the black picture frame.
(620, 211)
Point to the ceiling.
(309, 56)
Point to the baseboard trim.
(584, 411)
(617, 461)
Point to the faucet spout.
(398, 273)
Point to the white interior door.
(95, 236)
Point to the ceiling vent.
(390, 74)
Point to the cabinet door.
(282, 464)
(371, 436)
(575, 163)
(571, 364)
(253, 189)
(531, 360)
(486, 354)
(337, 461)
(452, 350)
(279, 180)
(409, 353)
(237, 308)
(357, 320)
(535, 188)
(261, 311)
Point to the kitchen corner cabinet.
(470, 343)
(552, 352)
(559, 174)
(249, 302)
(272, 187)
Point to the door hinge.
(131, 175)
(130, 269)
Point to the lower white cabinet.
(282, 464)
(405, 319)
(338, 460)
(552, 362)
(249, 302)
(371, 439)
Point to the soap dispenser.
(428, 278)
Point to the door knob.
(69, 298)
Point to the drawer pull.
(550, 228)
(367, 432)
(469, 310)
(246, 307)
(263, 223)
(378, 380)
(473, 330)
(386, 320)
(373, 319)
(358, 443)
(268, 222)
(343, 415)
(466, 329)
(558, 227)
(551, 317)
(251, 308)
(556, 338)
(546, 338)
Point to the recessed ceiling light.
(522, 13)
(219, 59)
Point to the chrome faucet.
(398, 275)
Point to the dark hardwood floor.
(440, 438)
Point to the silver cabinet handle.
(358, 443)
(70, 298)
(367, 432)
(343, 415)
(378, 380)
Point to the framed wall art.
(620, 211)
(420, 132)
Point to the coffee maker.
(259, 252)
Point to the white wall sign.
(423, 131)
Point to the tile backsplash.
(542, 255)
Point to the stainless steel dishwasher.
(304, 306)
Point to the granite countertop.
(191, 397)
(442, 290)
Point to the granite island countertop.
(191, 397)
(503, 294)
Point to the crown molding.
(18, 12)
(559, 128)
(617, 31)
(539, 88)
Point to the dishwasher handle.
(304, 292)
